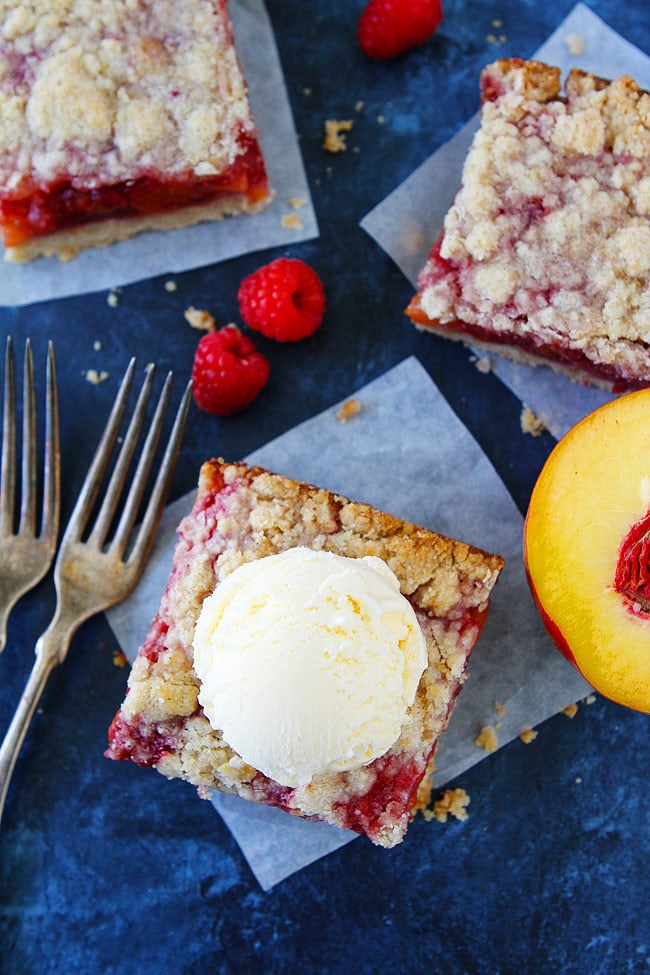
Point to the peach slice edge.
(592, 489)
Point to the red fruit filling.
(632, 577)
(557, 354)
(144, 747)
(46, 209)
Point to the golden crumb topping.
(109, 89)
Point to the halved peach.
(587, 548)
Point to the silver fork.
(97, 567)
(27, 549)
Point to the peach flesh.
(586, 548)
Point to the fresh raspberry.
(390, 27)
(228, 371)
(283, 300)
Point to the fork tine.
(138, 485)
(52, 465)
(79, 519)
(106, 513)
(8, 463)
(28, 467)
(147, 531)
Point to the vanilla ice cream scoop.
(308, 662)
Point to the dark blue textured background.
(106, 868)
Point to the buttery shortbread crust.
(545, 252)
(99, 93)
(241, 514)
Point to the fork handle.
(50, 649)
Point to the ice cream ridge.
(308, 662)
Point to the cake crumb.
(112, 299)
(571, 710)
(487, 739)
(483, 363)
(335, 132)
(578, 779)
(528, 735)
(199, 318)
(359, 106)
(307, 92)
(97, 345)
(575, 43)
(452, 802)
(499, 708)
(380, 120)
(171, 286)
(96, 376)
(531, 423)
(291, 221)
(590, 699)
(349, 409)
(496, 24)
(119, 659)
(297, 202)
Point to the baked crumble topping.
(242, 514)
(546, 248)
(110, 89)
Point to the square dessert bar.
(545, 252)
(243, 513)
(118, 116)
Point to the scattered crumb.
(95, 376)
(171, 286)
(119, 659)
(528, 735)
(291, 221)
(578, 779)
(482, 363)
(531, 423)
(349, 409)
(198, 318)
(591, 699)
(571, 711)
(359, 106)
(452, 802)
(487, 739)
(380, 120)
(97, 345)
(297, 202)
(496, 24)
(575, 43)
(112, 299)
(492, 39)
(335, 130)
(499, 708)
(356, 148)
(307, 92)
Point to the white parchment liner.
(407, 453)
(407, 222)
(152, 254)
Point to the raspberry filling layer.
(61, 205)
(572, 358)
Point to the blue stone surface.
(108, 869)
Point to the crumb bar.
(118, 116)
(243, 513)
(545, 252)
